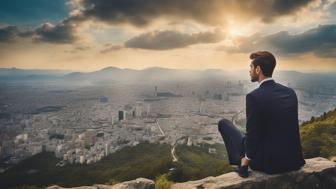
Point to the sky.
(87, 35)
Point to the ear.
(258, 69)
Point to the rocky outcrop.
(317, 173)
(140, 183)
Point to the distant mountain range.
(111, 73)
(28, 72)
(153, 73)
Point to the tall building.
(138, 109)
(59, 152)
(106, 149)
(189, 142)
(148, 109)
(112, 119)
(82, 159)
(90, 137)
(121, 115)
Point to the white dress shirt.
(266, 79)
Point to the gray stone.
(317, 173)
(139, 183)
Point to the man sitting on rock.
(271, 143)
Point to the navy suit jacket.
(272, 138)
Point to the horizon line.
(159, 67)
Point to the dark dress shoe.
(243, 171)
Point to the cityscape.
(83, 122)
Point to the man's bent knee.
(222, 123)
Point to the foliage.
(196, 163)
(112, 182)
(146, 160)
(28, 187)
(162, 182)
(318, 136)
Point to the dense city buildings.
(84, 123)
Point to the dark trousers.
(233, 140)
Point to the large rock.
(317, 173)
(140, 183)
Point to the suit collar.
(266, 81)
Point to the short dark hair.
(265, 60)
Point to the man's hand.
(244, 161)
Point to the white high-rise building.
(112, 118)
(189, 143)
(148, 109)
(58, 152)
(106, 149)
(82, 159)
(138, 110)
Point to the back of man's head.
(265, 60)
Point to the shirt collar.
(267, 79)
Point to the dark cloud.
(61, 33)
(8, 33)
(283, 7)
(163, 40)
(142, 12)
(211, 12)
(321, 41)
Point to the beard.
(254, 78)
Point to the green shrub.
(162, 182)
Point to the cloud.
(163, 40)
(320, 40)
(80, 48)
(283, 7)
(8, 33)
(209, 12)
(111, 48)
(60, 33)
(141, 13)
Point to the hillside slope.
(318, 136)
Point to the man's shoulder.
(261, 91)
(255, 92)
(285, 88)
